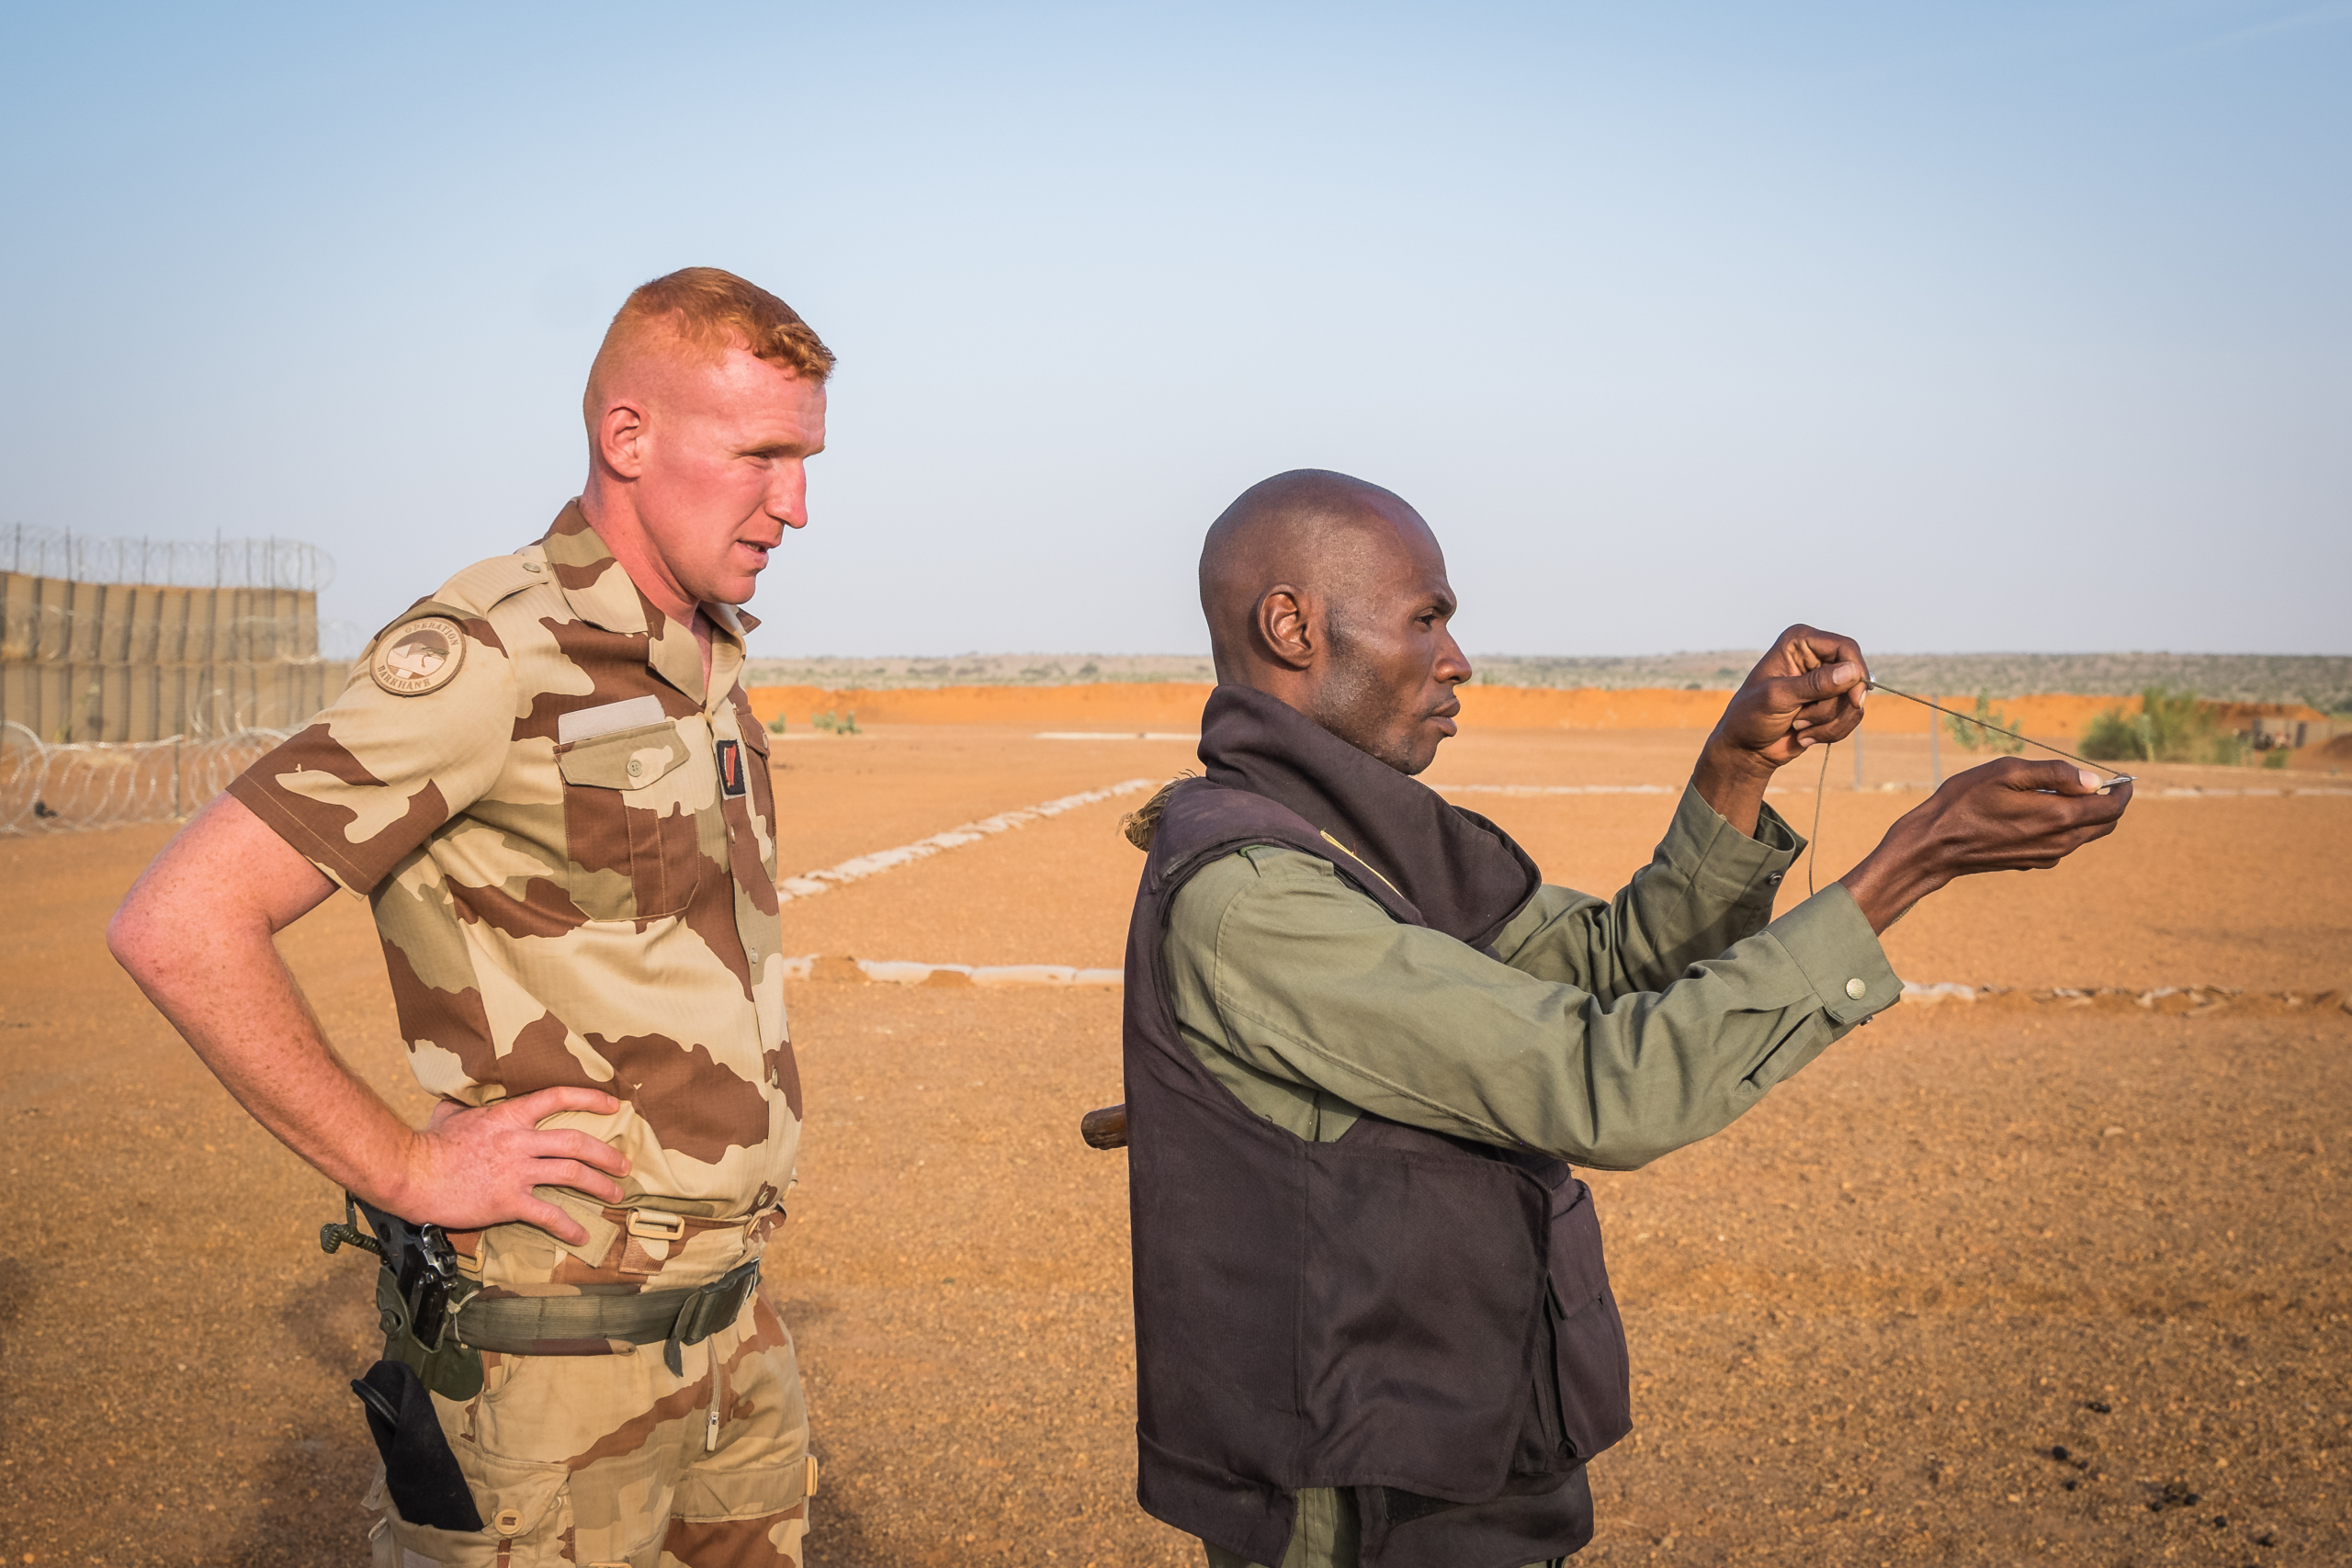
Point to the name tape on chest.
(586, 724)
(420, 656)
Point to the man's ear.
(1285, 626)
(620, 439)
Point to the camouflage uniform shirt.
(569, 845)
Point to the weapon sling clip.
(347, 1234)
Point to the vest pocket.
(1589, 1357)
(630, 830)
(1595, 1376)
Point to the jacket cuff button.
(1855, 988)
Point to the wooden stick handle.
(1105, 1129)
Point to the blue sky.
(1995, 325)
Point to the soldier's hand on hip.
(2008, 814)
(471, 1169)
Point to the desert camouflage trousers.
(583, 1460)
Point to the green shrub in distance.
(836, 723)
(1971, 736)
(2275, 758)
(775, 725)
(2112, 737)
(2171, 727)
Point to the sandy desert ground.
(2033, 1279)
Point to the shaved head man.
(1326, 592)
(1365, 1045)
(547, 781)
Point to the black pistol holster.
(418, 1292)
(421, 1473)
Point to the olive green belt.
(537, 1326)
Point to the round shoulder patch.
(418, 656)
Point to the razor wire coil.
(80, 786)
(165, 563)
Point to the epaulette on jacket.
(473, 592)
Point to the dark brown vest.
(1420, 1318)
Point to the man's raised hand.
(473, 1168)
(1805, 692)
(2009, 815)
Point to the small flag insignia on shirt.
(731, 767)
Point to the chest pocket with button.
(630, 805)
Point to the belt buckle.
(656, 1225)
(707, 1309)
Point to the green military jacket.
(1604, 1034)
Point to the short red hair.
(698, 313)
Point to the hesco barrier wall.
(82, 661)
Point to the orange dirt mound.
(1154, 705)
(2336, 753)
(1176, 704)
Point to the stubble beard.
(1350, 703)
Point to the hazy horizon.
(2322, 680)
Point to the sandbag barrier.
(80, 786)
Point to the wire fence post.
(1858, 761)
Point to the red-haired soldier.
(546, 780)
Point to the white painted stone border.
(2197, 792)
(1115, 735)
(809, 885)
(2169, 792)
(901, 972)
(1930, 996)
(1557, 789)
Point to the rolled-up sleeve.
(1277, 962)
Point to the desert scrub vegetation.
(2171, 727)
(1971, 736)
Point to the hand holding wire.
(1806, 690)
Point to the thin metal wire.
(1821, 783)
(1812, 844)
(1972, 718)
